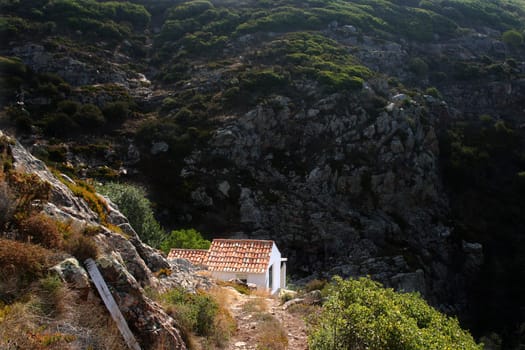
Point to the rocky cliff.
(127, 265)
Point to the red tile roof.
(239, 255)
(195, 256)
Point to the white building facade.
(258, 262)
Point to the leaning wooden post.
(111, 305)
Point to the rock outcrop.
(126, 263)
(343, 189)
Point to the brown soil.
(245, 309)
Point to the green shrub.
(434, 92)
(12, 66)
(418, 66)
(116, 111)
(512, 38)
(188, 239)
(89, 116)
(69, 107)
(189, 9)
(133, 203)
(361, 314)
(195, 312)
(59, 125)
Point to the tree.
(361, 314)
(188, 239)
(133, 203)
(512, 38)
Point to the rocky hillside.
(367, 138)
(127, 265)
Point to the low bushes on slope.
(361, 314)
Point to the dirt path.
(251, 311)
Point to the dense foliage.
(361, 314)
(133, 203)
(187, 239)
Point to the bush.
(81, 247)
(29, 192)
(512, 38)
(361, 314)
(59, 125)
(41, 229)
(23, 259)
(116, 111)
(418, 66)
(315, 284)
(87, 192)
(69, 107)
(188, 239)
(195, 312)
(89, 116)
(7, 204)
(434, 92)
(12, 66)
(133, 203)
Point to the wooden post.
(111, 305)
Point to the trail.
(246, 308)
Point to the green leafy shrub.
(116, 111)
(265, 80)
(69, 107)
(361, 314)
(189, 239)
(59, 125)
(418, 66)
(12, 66)
(512, 38)
(195, 312)
(90, 116)
(434, 92)
(133, 203)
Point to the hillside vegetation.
(393, 129)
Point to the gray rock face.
(125, 262)
(342, 189)
(159, 147)
(62, 202)
(146, 319)
(83, 70)
(72, 273)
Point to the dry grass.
(304, 310)
(49, 315)
(40, 228)
(255, 305)
(243, 289)
(23, 258)
(96, 327)
(271, 335)
(80, 246)
(225, 324)
(17, 321)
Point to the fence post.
(111, 305)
